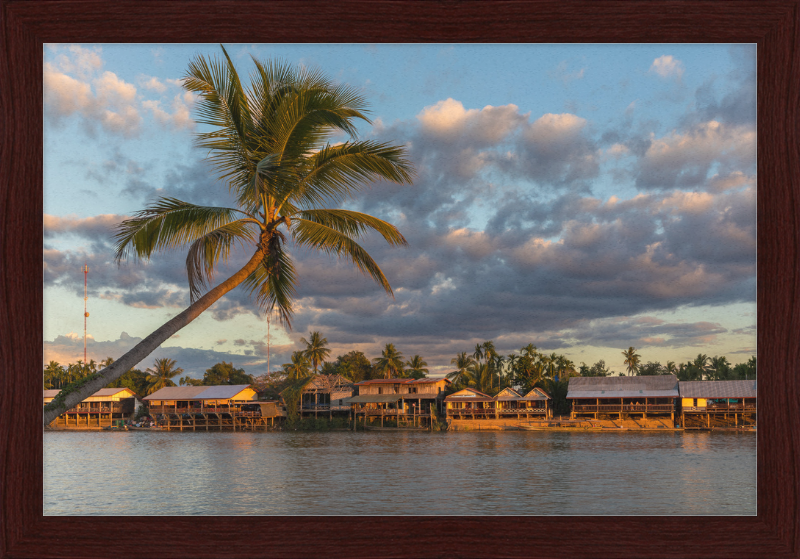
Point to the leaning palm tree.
(316, 349)
(631, 360)
(390, 363)
(269, 143)
(161, 374)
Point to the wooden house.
(325, 393)
(537, 402)
(407, 399)
(98, 410)
(607, 397)
(706, 404)
(204, 407)
(469, 404)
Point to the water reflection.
(345, 473)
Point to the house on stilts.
(709, 404)
(99, 410)
(621, 397)
(211, 408)
(401, 400)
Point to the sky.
(583, 198)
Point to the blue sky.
(584, 198)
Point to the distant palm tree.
(390, 363)
(479, 376)
(700, 366)
(461, 362)
(161, 374)
(269, 141)
(631, 360)
(416, 367)
(719, 368)
(53, 375)
(671, 368)
(299, 367)
(316, 349)
(478, 353)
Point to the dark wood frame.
(25, 25)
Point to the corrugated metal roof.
(650, 382)
(51, 393)
(221, 392)
(372, 399)
(177, 393)
(718, 389)
(218, 392)
(622, 394)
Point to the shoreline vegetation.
(484, 369)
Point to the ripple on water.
(402, 473)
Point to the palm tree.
(269, 143)
(53, 375)
(671, 368)
(720, 368)
(316, 349)
(299, 367)
(161, 374)
(479, 376)
(478, 353)
(462, 361)
(390, 362)
(416, 367)
(631, 360)
(700, 365)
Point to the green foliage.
(316, 349)
(58, 402)
(135, 380)
(355, 366)
(651, 368)
(225, 373)
(599, 369)
(291, 397)
(631, 360)
(390, 363)
(416, 368)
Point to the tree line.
(144, 383)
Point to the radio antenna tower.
(85, 271)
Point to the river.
(399, 473)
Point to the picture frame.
(773, 25)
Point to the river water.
(399, 473)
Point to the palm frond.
(354, 224)
(320, 237)
(273, 284)
(335, 173)
(170, 223)
(208, 250)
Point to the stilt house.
(408, 399)
(204, 407)
(327, 394)
(721, 403)
(98, 410)
(615, 397)
(469, 404)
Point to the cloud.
(68, 348)
(110, 106)
(74, 85)
(683, 160)
(666, 66)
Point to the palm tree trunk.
(151, 342)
